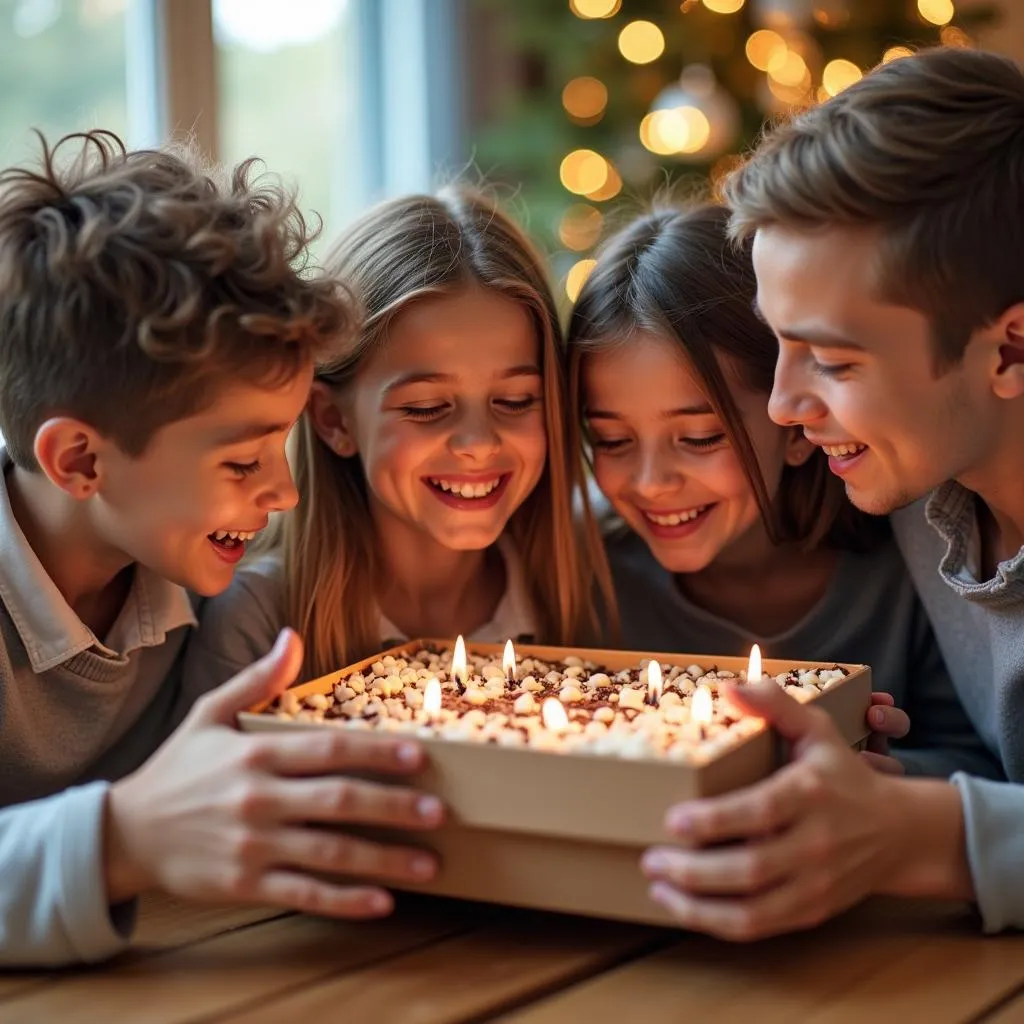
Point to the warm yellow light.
(938, 12)
(896, 52)
(585, 98)
(508, 661)
(459, 666)
(956, 37)
(724, 6)
(432, 698)
(763, 46)
(754, 672)
(580, 227)
(790, 70)
(583, 171)
(654, 682)
(594, 8)
(641, 42)
(675, 130)
(610, 189)
(575, 280)
(792, 95)
(823, 94)
(702, 707)
(553, 715)
(839, 74)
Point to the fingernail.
(408, 754)
(679, 822)
(422, 867)
(653, 862)
(428, 808)
(380, 903)
(877, 716)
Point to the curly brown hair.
(927, 150)
(134, 285)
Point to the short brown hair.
(929, 150)
(673, 273)
(133, 284)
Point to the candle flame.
(553, 715)
(432, 697)
(653, 681)
(702, 709)
(754, 665)
(459, 662)
(508, 662)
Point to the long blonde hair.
(400, 252)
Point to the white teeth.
(466, 490)
(239, 535)
(675, 518)
(838, 451)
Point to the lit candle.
(702, 709)
(553, 716)
(508, 662)
(754, 665)
(432, 699)
(653, 682)
(460, 675)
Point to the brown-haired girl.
(733, 530)
(432, 463)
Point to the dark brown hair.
(673, 273)
(133, 284)
(929, 151)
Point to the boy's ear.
(1008, 376)
(68, 452)
(798, 448)
(330, 420)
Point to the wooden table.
(441, 961)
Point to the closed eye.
(244, 469)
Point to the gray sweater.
(980, 628)
(869, 614)
(74, 712)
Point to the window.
(63, 68)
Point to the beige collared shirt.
(74, 708)
(70, 698)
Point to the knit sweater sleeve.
(53, 909)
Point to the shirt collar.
(48, 626)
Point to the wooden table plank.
(890, 960)
(1010, 1011)
(164, 922)
(216, 975)
(466, 977)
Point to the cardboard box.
(565, 831)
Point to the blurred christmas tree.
(619, 96)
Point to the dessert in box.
(557, 765)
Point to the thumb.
(792, 720)
(260, 683)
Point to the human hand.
(224, 815)
(886, 722)
(802, 845)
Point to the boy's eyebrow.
(423, 377)
(687, 410)
(250, 432)
(820, 337)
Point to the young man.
(889, 249)
(156, 346)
